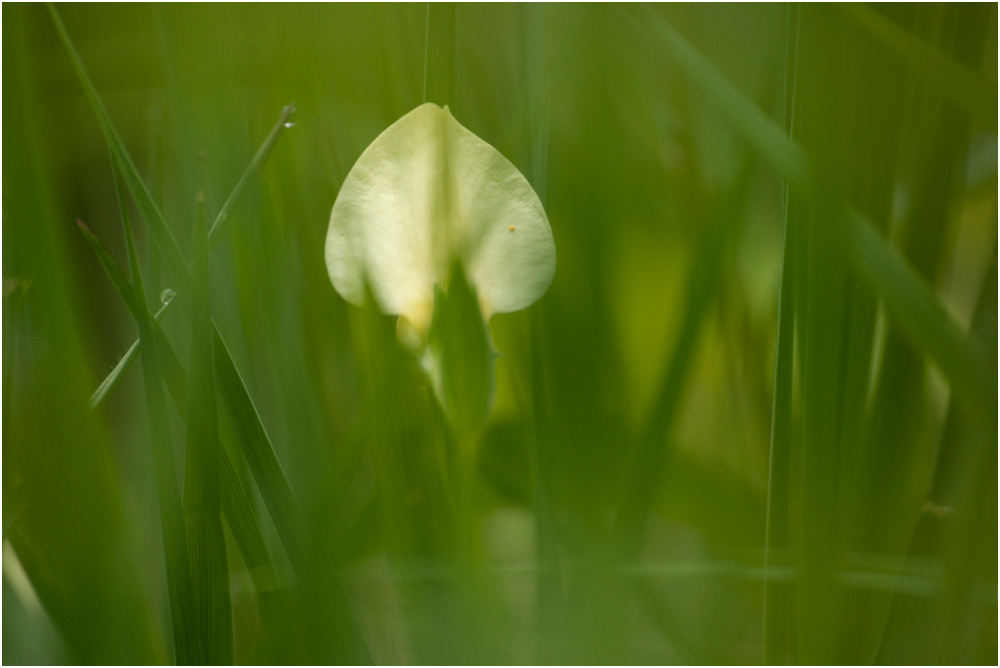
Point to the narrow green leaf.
(776, 593)
(111, 381)
(219, 227)
(763, 133)
(164, 239)
(970, 90)
(187, 649)
(236, 504)
(202, 505)
(257, 448)
(239, 512)
(920, 315)
(908, 297)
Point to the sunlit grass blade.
(220, 225)
(973, 92)
(257, 449)
(202, 505)
(187, 648)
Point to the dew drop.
(167, 296)
(290, 121)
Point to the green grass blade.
(202, 505)
(973, 92)
(652, 454)
(111, 381)
(187, 648)
(908, 297)
(763, 133)
(235, 503)
(164, 239)
(236, 506)
(257, 448)
(921, 317)
(221, 221)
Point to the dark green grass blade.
(257, 448)
(187, 647)
(235, 503)
(973, 92)
(202, 506)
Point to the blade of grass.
(202, 506)
(125, 363)
(219, 227)
(912, 301)
(235, 503)
(256, 445)
(257, 449)
(973, 92)
(187, 648)
(169, 250)
(652, 452)
(753, 124)
(922, 318)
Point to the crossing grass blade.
(236, 506)
(921, 317)
(169, 250)
(907, 295)
(202, 505)
(976, 94)
(257, 448)
(111, 381)
(256, 445)
(187, 646)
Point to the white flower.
(425, 194)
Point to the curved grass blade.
(763, 133)
(202, 505)
(971, 91)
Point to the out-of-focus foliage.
(675, 469)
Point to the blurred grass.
(625, 503)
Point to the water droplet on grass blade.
(167, 296)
